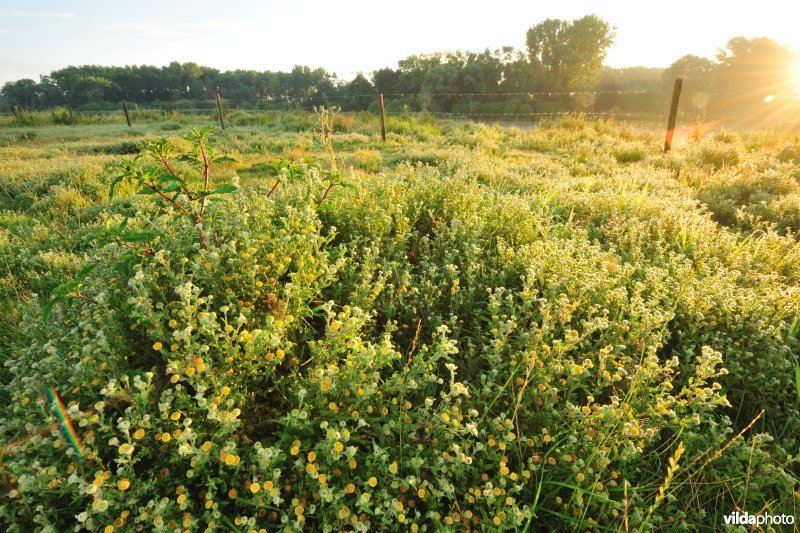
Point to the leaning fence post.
(219, 109)
(15, 110)
(125, 110)
(383, 117)
(673, 113)
(71, 115)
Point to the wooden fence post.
(383, 117)
(127, 116)
(219, 109)
(15, 110)
(71, 114)
(673, 113)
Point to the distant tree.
(568, 55)
(361, 92)
(92, 89)
(755, 76)
(619, 89)
(412, 71)
(699, 81)
(22, 93)
(385, 80)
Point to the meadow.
(467, 327)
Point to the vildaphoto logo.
(742, 519)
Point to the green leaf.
(797, 380)
(60, 293)
(225, 189)
(138, 236)
(171, 187)
(84, 272)
(224, 159)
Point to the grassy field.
(465, 327)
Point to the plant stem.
(272, 190)
(205, 177)
(95, 302)
(325, 194)
(167, 198)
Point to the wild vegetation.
(467, 327)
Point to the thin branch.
(272, 190)
(167, 198)
(95, 302)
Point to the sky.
(347, 37)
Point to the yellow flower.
(123, 484)
(372, 481)
(175, 416)
(138, 434)
(125, 449)
(393, 467)
(350, 488)
(173, 323)
(421, 492)
(255, 487)
(299, 510)
(157, 346)
(165, 437)
(580, 476)
(338, 446)
(225, 390)
(181, 498)
(336, 325)
(312, 456)
(109, 529)
(206, 446)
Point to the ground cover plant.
(465, 328)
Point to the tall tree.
(569, 55)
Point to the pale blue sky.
(349, 36)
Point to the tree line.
(560, 69)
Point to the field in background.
(612, 331)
